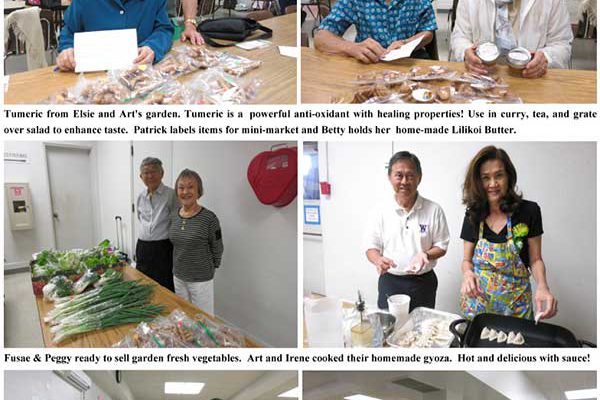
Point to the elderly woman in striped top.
(197, 243)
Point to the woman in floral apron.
(502, 243)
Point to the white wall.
(560, 177)
(256, 286)
(45, 385)
(20, 245)
(313, 265)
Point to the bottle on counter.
(362, 332)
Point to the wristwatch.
(191, 21)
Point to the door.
(70, 181)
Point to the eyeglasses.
(408, 177)
(150, 173)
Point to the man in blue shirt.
(381, 26)
(148, 17)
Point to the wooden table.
(108, 337)
(277, 73)
(325, 76)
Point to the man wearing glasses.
(154, 251)
(407, 235)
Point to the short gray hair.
(188, 173)
(405, 156)
(153, 161)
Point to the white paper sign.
(104, 50)
(289, 51)
(254, 44)
(404, 51)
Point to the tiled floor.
(584, 50)
(21, 322)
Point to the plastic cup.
(399, 305)
(323, 319)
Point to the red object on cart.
(273, 176)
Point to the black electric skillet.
(540, 335)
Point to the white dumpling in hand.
(501, 337)
(493, 335)
(485, 333)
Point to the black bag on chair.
(235, 29)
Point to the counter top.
(109, 336)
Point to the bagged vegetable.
(57, 287)
(115, 303)
(193, 333)
(224, 335)
(88, 278)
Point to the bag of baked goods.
(187, 59)
(171, 92)
(139, 79)
(201, 57)
(214, 86)
(237, 65)
(175, 64)
(103, 91)
(388, 78)
(434, 72)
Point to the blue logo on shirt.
(423, 228)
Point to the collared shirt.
(154, 212)
(399, 234)
(148, 17)
(514, 10)
(384, 23)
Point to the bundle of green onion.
(114, 303)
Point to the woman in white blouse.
(541, 26)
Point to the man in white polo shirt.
(407, 235)
(155, 205)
